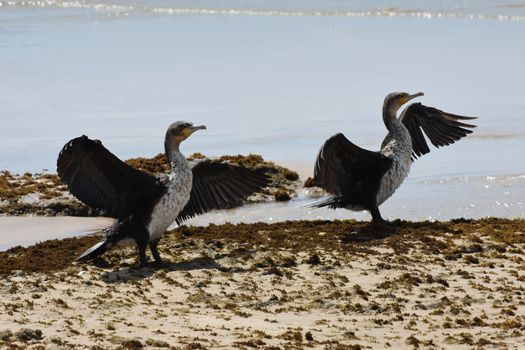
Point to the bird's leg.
(142, 242)
(142, 253)
(141, 237)
(376, 216)
(155, 252)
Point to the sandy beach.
(331, 285)
(271, 80)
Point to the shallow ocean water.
(274, 78)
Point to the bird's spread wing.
(441, 128)
(219, 186)
(342, 168)
(101, 180)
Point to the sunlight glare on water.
(274, 78)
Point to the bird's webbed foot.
(377, 219)
(143, 263)
(153, 246)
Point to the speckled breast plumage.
(398, 147)
(174, 200)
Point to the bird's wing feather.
(101, 180)
(341, 166)
(219, 186)
(440, 127)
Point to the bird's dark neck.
(389, 117)
(173, 153)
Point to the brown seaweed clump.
(282, 195)
(47, 256)
(290, 285)
(38, 194)
(452, 240)
(158, 165)
(45, 194)
(12, 187)
(284, 179)
(257, 163)
(309, 183)
(153, 166)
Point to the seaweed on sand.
(349, 238)
(45, 194)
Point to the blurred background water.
(274, 78)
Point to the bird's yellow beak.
(191, 129)
(407, 98)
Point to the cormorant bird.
(144, 205)
(359, 179)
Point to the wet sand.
(321, 284)
(45, 195)
(26, 230)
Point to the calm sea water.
(275, 78)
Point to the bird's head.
(182, 130)
(395, 100)
(178, 132)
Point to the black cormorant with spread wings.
(359, 179)
(143, 205)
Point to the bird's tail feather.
(93, 252)
(113, 235)
(331, 202)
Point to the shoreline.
(27, 230)
(320, 284)
(366, 233)
(44, 194)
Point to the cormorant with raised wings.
(359, 179)
(143, 205)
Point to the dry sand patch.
(294, 285)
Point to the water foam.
(113, 8)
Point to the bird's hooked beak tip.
(415, 95)
(405, 99)
(199, 127)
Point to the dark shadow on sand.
(137, 273)
(373, 232)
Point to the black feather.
(220, 186)
(351, 173)
(441, 128)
